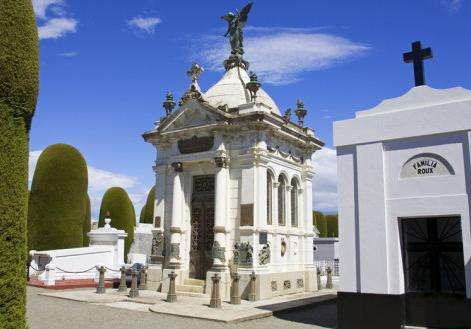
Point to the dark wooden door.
(434, 272)
(202, 238)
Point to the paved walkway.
(51, 313)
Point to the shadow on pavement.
(321, 314)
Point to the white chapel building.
(404, 202)
(233, 188)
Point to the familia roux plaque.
(423, 165)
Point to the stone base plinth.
(268, 285)
(154, 277)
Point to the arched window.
(281, 200)
(269, 198)
(294, 202)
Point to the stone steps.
(189, 288)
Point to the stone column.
(177, 213)
(221, 213)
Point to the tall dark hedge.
(19, 71)
(87, 222)
(321, 223)
(147, 211)
(117, 202)
(57, 206)
(332, 225)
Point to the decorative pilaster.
(220, 218)
(177, 213)
(307, 215)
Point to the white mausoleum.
(233, 189)
(404, 182)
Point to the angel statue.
(234, 30)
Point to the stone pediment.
(192, 115)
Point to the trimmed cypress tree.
(19, 70)
(117, 203)
(87, 222)
(147, 211)
(321, 224)
(57, 205)
(332, 225)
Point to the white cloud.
(280, 55)
(99, 181)
(325, 180)
(69, 54)
(146, 24)
(57, 27)
(53, 27)
(453, 5)
(41, 6)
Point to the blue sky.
(106, 66)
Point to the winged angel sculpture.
(236, 22)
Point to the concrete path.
(196, 306)
(45, 312)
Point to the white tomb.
(404, 182)
(106, 249)
(233, 189)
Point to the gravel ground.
(51, 313)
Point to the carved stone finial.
(300, 112)
(177, 166)
(221, 162)
(194, 72)
(253, 86)
(287, 116)
(169, 103)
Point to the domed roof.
(231, 91)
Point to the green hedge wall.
(19, 71)
(332, 226)
(57, 206)
(87, 222)
(116, 201)
(147, 211)
(321, 223)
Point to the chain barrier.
(75, 272)
(110, 269)
(36, 269)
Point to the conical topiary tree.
(117, 204)
(19, 71)
(57, 206)
(87, 222)
(321, 224)
(147, 211)
(332, 225)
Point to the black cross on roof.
(417, 56)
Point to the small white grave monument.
(106, 249)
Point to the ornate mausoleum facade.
(233, 188)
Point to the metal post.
(100, 289)
(252, 286)
(329, 284)
(122, 281)
(215, 296)
(134, 292)
(143, 282)
(319, 283)
(172, 294)
(235, 296)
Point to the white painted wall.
(371, 150)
